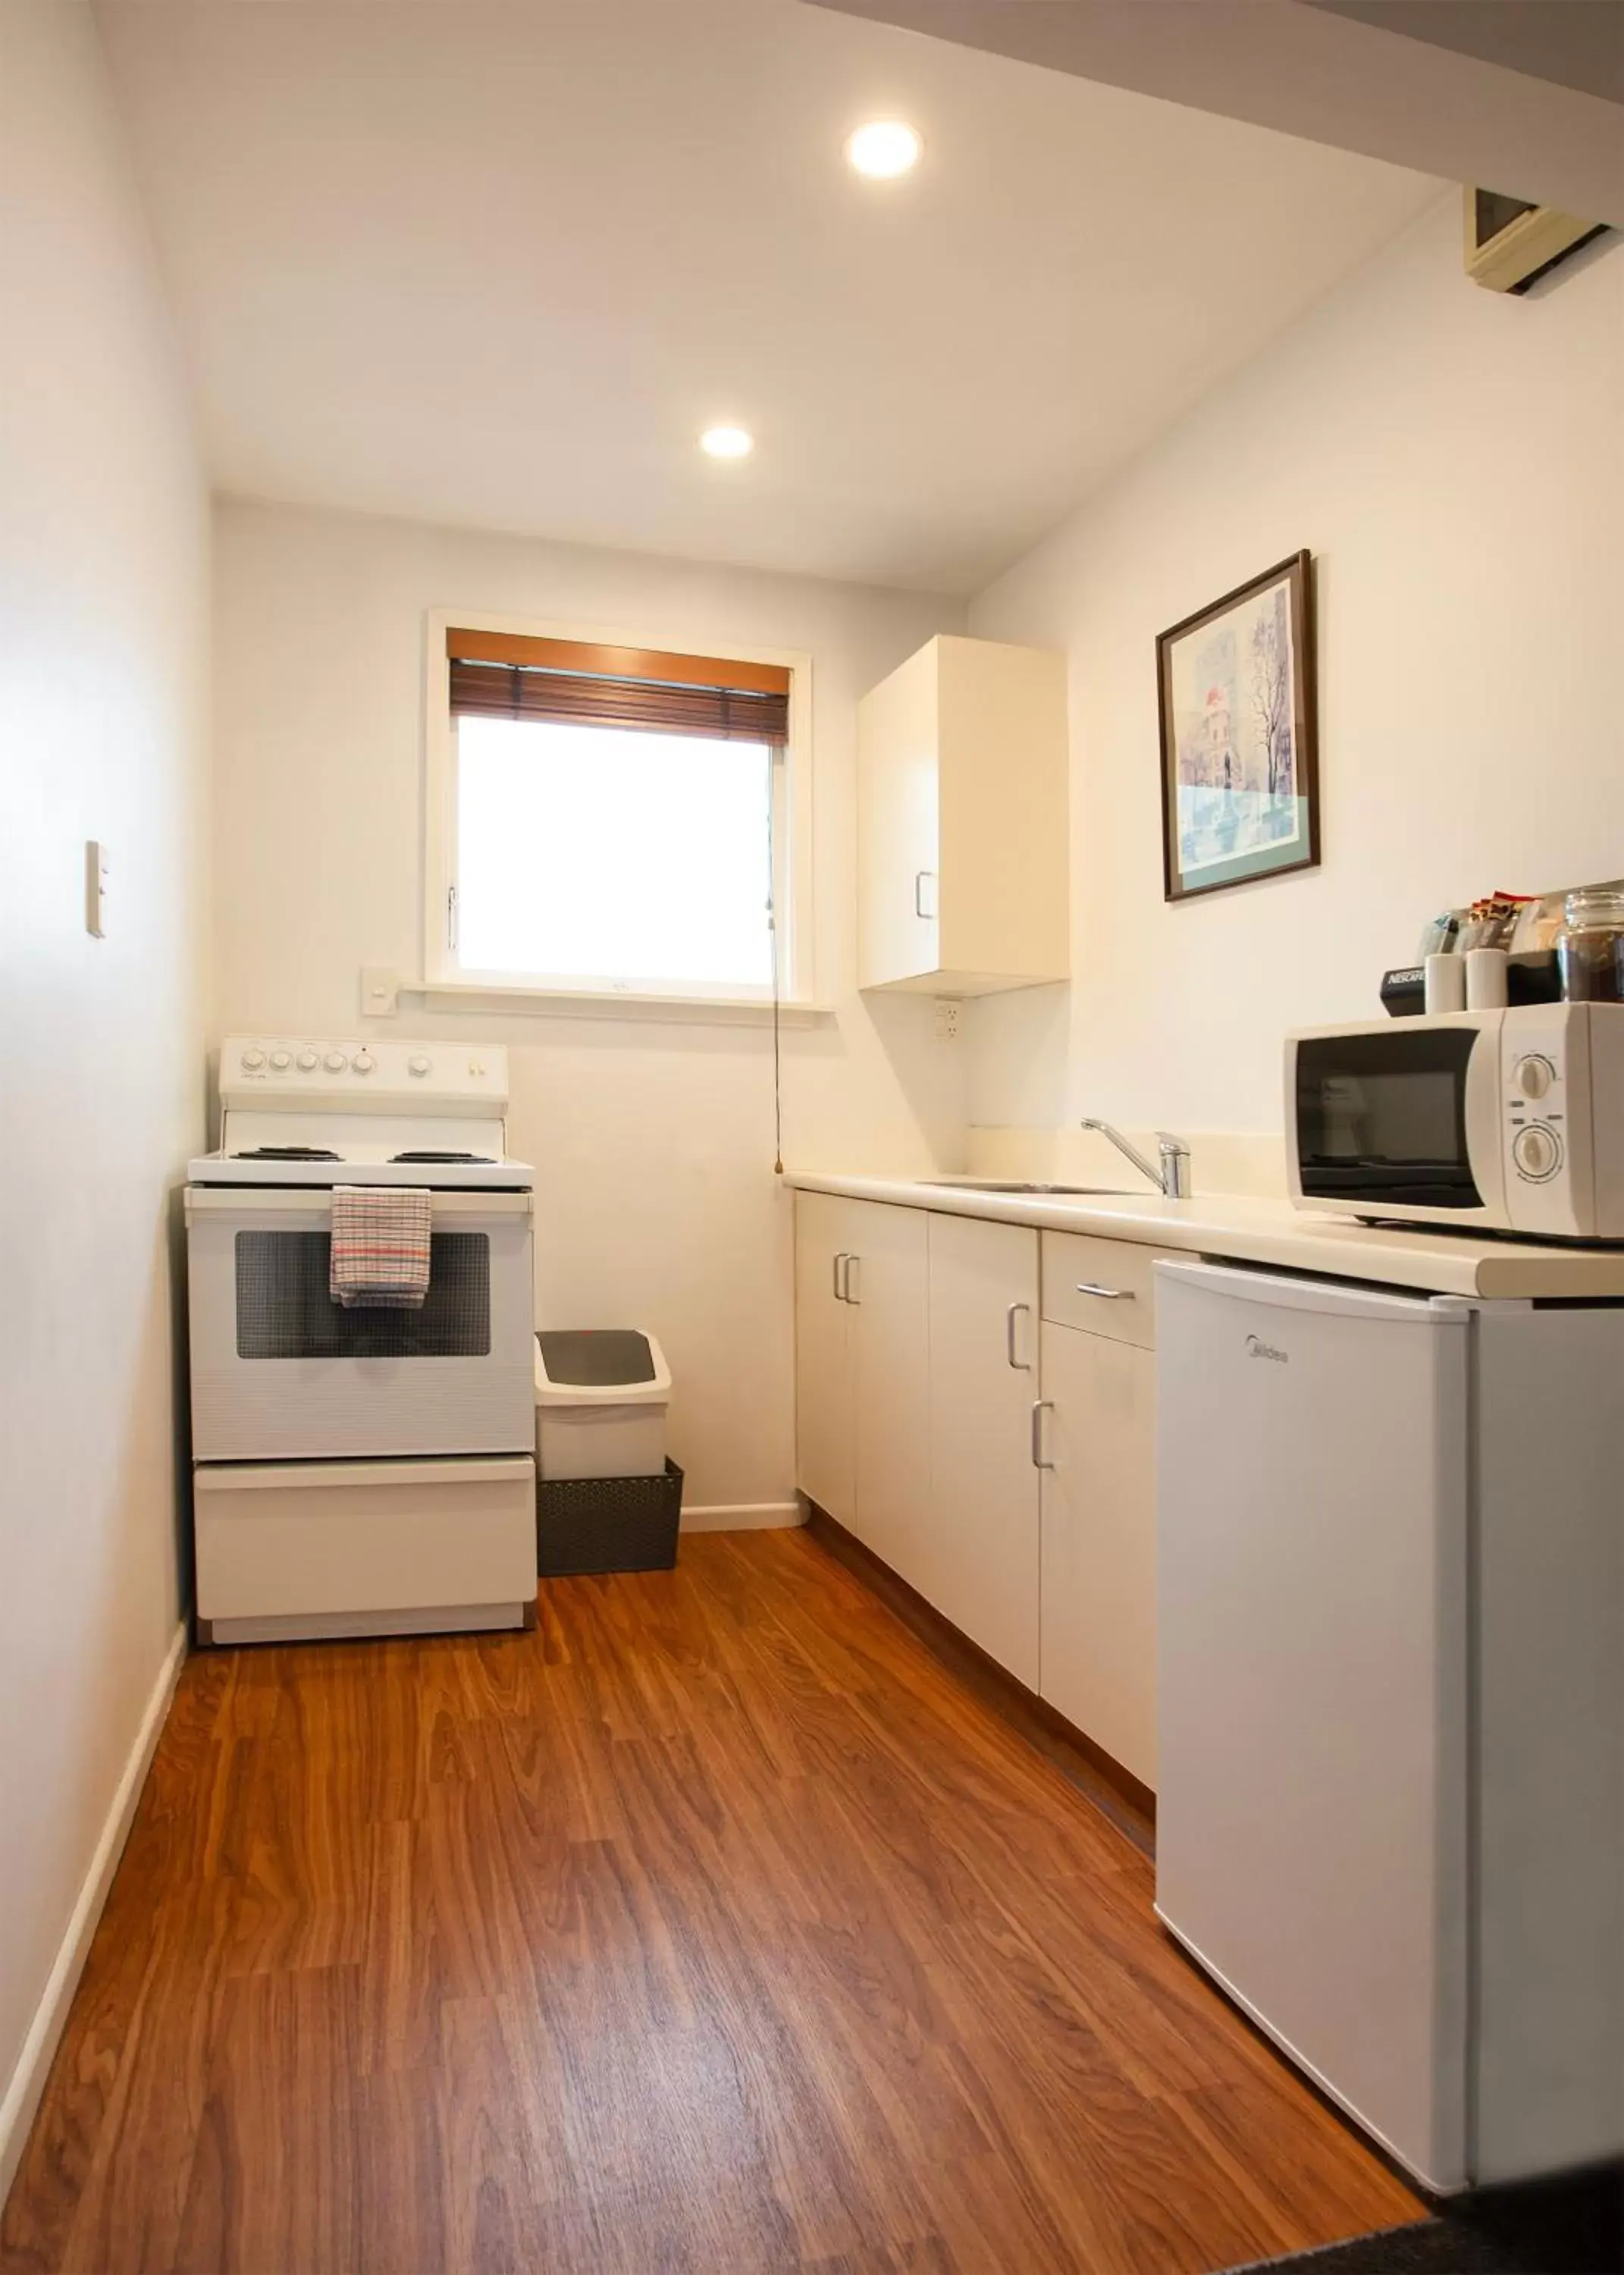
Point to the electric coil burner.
(354, 1474)
(287, 1153)
(444, 1159)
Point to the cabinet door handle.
(840, 1293)
(1111, 1294)
(920, 877)
(1021, 1366)
(1041, 1407)
(846, 1283)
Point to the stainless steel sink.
(1011, 1185)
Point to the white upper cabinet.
(961, 829)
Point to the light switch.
(95, 888)
(379, 991)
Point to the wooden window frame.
(792, 830)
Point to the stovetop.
(441, 1171)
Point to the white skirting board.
(26, 2083)
(744, 1516)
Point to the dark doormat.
(1572, 2226)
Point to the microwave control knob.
(335, 1062)
(419, 1065)
(1538, 1152)
(1535, 1076)
(282, 1061)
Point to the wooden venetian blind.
(573, 682)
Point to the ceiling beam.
(1316, 74)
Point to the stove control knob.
(253, 1060)
(418, 1064)
(307, 1061)
(282, 1061)
(1535, 1076)
(335, 1062)
(363, 1062)
(1538, 1152)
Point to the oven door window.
(283, 1310)
(1381, 1118)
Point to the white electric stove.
(361, 1471)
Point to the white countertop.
(1256, 1231)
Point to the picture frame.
(1240, 736)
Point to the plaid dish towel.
(380, 1254)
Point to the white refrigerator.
(1390, 1597)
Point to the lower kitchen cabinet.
(887, 1308)
(863, 1369)
(923, 1347)
(978, 1553)
(1098, 1599)
(825, 1229)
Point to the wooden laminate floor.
(712, 1927)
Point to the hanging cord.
(771, 926)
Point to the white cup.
(1446, 983)
(1486, 979)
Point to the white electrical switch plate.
(95, 888)
(379, 991)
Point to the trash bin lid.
(577, 1367)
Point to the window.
(614, 820)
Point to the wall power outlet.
(947, 1019)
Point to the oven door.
(1401, 1121)
(280, 1373)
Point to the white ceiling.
(497, 261)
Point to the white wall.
(657, 1205)
(104, 539)
(1455, 462)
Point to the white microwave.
(1509, 1121)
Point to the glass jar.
(1590, 947)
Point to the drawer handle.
(1111, 1294)
(1043, 1406)
(1015, 1311)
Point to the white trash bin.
(601, 1395)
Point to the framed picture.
(1240, 736)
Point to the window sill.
(601, 1003)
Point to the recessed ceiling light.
(884, 148)
(727, 443)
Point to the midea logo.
(1256, 1348)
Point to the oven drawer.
(363, 1547)
(281, 1374)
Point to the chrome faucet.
(1173, 1177)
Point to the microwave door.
(1385, 1122)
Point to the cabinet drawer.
(1105, 1286)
